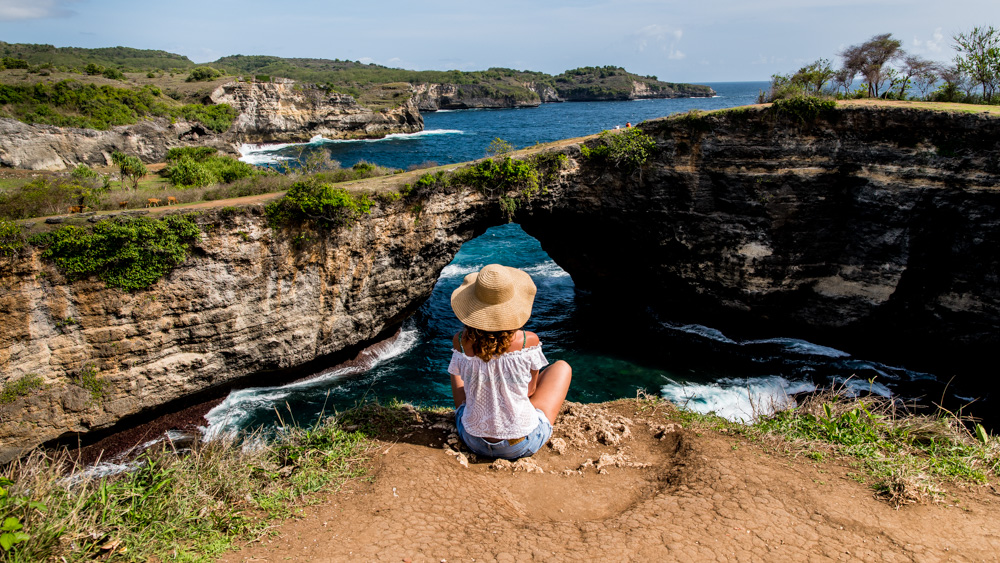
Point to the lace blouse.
(496, 392)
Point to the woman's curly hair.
(487, 345)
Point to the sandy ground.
(622, 482)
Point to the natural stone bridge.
(870, 225)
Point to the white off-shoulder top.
(496, 392)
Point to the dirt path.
(663, 493)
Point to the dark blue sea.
(614, 353)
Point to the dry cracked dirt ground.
(623, 482)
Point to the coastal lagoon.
(616, 351)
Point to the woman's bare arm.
(457, 390)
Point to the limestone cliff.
(249, 300)
(867, 228)
(45, 147)
(286, 111)
(283, 111)
(434, 97)
(874, 229)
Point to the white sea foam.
(796, 346)
(395, 136)
(737, 399)
(231, 415)
(547, 269)
(456, 271)
(263, 154)
(703, 331)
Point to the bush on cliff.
(804, 109)
(318, 201)
(628, 149)
(129, 253)
(49, 196)
(201, 170)
(11, 237)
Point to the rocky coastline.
(866, 225)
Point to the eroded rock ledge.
(871, 227)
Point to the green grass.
(902, 456)
(187, 506)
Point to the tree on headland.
(130, 168)
(870, 59)
(979, 57)
(913, 68)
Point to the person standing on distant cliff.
(504, 406)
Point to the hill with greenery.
(100, 88)
(615, 83)
(124, 59)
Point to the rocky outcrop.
(285, 111)
(596, 91)
(249, 300)
(873, 229)
(869, 227)
(434, 97)
(45, 147)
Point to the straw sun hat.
(495, 298)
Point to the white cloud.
(663, 37)
(11, 10)
(932, 45)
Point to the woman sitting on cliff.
(505, 406)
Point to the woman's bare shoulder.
(456, 340)
(532, 339)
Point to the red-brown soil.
(665, 493)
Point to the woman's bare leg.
(553, 384)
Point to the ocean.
(614, 352)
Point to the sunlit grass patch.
(904, 456)
(187, 506)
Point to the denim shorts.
(530, 445)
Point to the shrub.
(113, 74)
(200, 170)
(628, 149)
(187, 172)
(11, 237)
(803, 108)
(217, 117)
(318, 201)
(40, 197)
(129, 253)
(10, 62)
(203, 73)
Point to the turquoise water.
(459, 136)
(614, 352)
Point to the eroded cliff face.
(46, 147)
(248, 300)
(874, 229)
(279, 112)
(870, 227)
(434, 97)
(285, 111)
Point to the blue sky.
(690, 41)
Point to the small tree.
(814, 76)
(914, 68)
(130, 168)
(979, 57)
(870, 59)
(843, 78)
